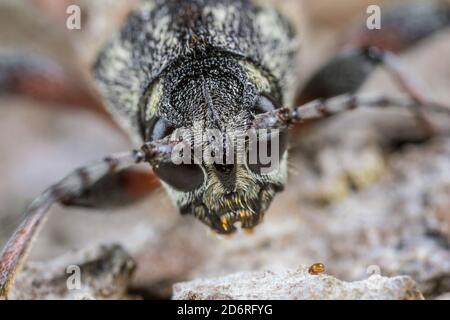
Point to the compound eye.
(264, 104)
(262, 157)
(158, 128)
(183, 177)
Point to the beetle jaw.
(223, 214)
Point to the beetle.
(223, 64)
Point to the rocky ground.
(296, 285)
(367, 196)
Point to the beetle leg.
(366, 50)
(116, 190)
(66, 191)
(349, 70)
(403, 26)
(41, 79)
(344, 73)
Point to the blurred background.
(357, 199)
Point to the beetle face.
(217, 99)
(221, 207)
(222, 195)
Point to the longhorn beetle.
(224, 64)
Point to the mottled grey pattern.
(166, 47)
(207, 62)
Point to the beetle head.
(210, 103)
